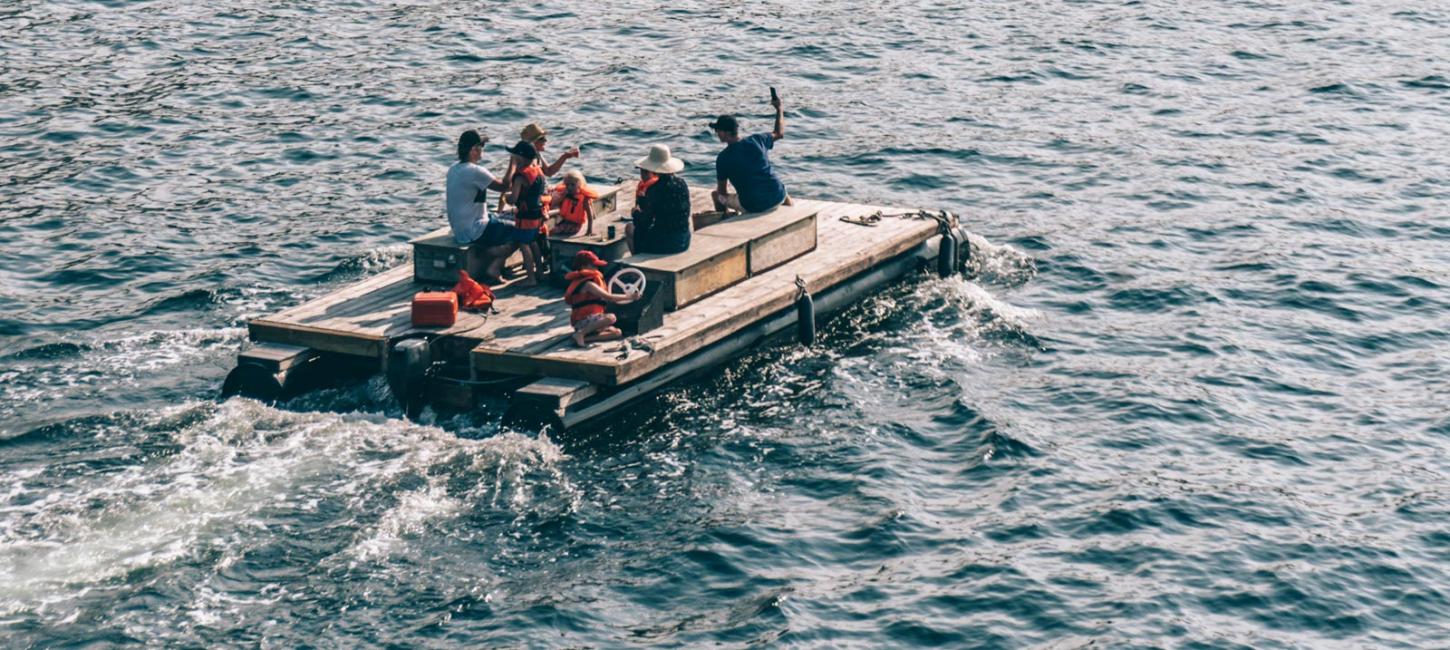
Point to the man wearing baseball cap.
(745, 164)
(465, 200)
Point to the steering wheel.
(626, 281)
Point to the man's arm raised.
(779, 132)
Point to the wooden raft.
(843, 250)
(530, 335)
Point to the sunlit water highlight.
(1192, 394)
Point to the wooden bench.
(437, 258)
(775, 237)
(729, 251)
(712, 263)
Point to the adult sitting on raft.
(466, 200)
(745, 163)
(536, 137)
(661, 205)
(586, 297)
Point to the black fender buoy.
(408, 363)
(252, 380)
(805, 316)
(946, 257)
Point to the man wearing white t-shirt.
(468, 184)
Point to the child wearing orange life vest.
(586, 297)
(526, 193)
(575, 202)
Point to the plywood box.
(776, 237)
(437, 258)
(712, 263)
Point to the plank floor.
(530, 335)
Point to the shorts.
(496, 233)
(732, 202)
(522, 235)
(589, 320)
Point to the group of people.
(660, 219)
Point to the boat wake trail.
(220, 493)
(45, 378)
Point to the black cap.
(524, 150)
(726, 123)
(466, 142)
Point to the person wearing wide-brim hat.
(535, 136)
(661, 205)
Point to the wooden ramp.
(843, 250)
(530, 334)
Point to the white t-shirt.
(466, 216)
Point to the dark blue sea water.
(1195, 395)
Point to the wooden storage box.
(437, 258)
(776, 237)
(711, 264)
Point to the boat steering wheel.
(627, 281)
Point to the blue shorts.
(522, 236)
(496, 233)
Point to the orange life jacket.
(582, 306)
(644, 185)
(530, 213)
(471, 294)
(574, 208)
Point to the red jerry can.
(435, 308)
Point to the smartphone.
(774, 97)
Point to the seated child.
(575, 202)
(586, 297)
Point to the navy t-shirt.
(746, 165)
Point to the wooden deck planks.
(843, 251)
(530, 335)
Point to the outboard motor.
(409, 362)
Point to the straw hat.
(660, 161)
(532, 132)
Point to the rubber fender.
(252, 380)
(805, 319)
(408, 363)
(946, 258)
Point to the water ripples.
(1190, 393)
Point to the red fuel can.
(435, 308)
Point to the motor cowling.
(409, 361)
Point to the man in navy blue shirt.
(745, 164)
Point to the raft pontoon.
(743, 279)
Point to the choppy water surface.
(1195, 395)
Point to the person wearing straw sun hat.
(535, 136)
(661, 205)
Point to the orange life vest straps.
(574, 208)
(583, 306)
(645, 185)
